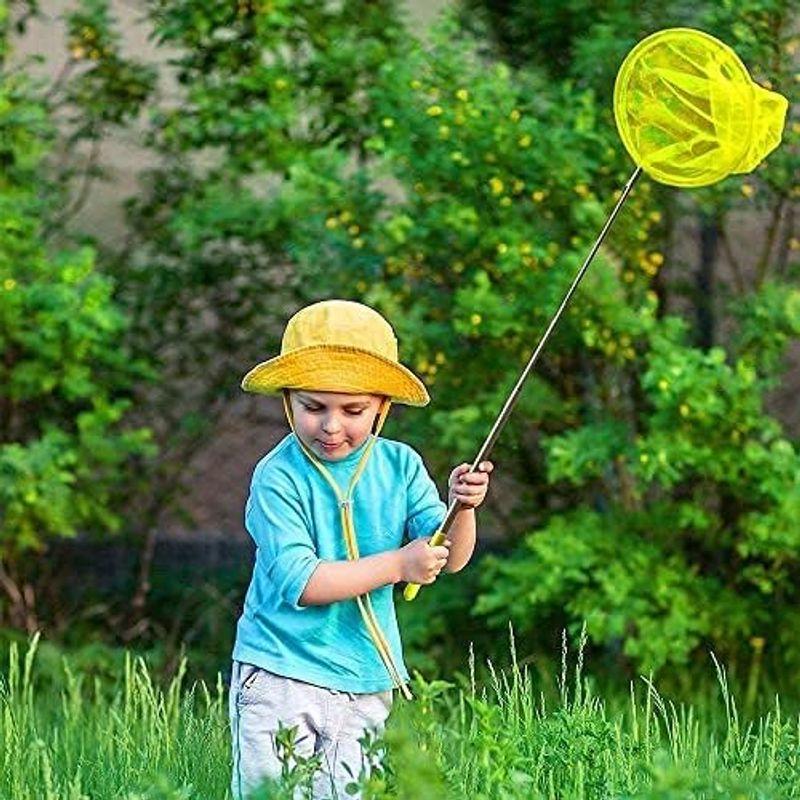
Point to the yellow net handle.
(412, 589)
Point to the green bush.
(659, 487)
(65, 382)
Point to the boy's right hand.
(420, 563)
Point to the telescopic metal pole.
(411, 590)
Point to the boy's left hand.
(469, 488)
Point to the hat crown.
(340, 323)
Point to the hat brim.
(337, 368)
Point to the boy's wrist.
(461, 508)
(397, 565)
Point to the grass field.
(135, 740)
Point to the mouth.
(328, 446)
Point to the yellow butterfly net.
(688, 112)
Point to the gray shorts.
(328, 722)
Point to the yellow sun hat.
(338, 346)
(688, 112)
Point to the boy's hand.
(469, 488)
(420, 563)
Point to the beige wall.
(123, 155)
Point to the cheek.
(305, 423)
(359, 427)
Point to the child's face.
(333, 424)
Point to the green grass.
(498, 740)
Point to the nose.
(330, 424)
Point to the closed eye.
(349, 412)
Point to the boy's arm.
(462, 534)
(469, 490)
(415, 562)
(338, 580)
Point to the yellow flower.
(440, 358)
(9, 284)
(684, 410)
(444, 131)
(388, 122)
(524, 141)
(280, 84)
(415, 84)
(353, 230)
(463, 95)
(502, 248)
(514, 115)
(434, 111)
(748, 190)
(475, 319)
(655, 216)
(517, 186)
(644, 458)
(496, 185)
(358, 243)
(582, 190)
(525, 248)
(331, 223)
(538, 196)
(628, 276)
(345, 216)
(663, 385)
(796, 127)
(505, 202)
(794, 243)
(656, 259)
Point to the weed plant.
(498, 740)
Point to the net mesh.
(688, 112)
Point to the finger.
(485, 466)
(441, 552)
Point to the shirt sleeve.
(426, 509)
(274, 518)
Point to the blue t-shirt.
(293, 516)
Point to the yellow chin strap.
(345, 501)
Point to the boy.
(317, 646)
